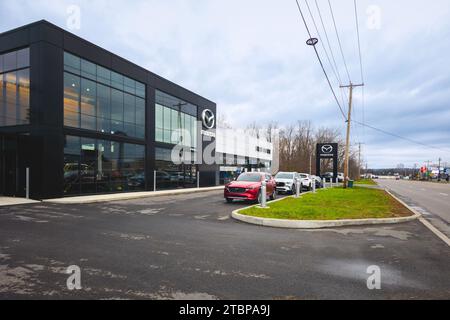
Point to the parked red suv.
(248, 187)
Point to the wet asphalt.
(188, 247)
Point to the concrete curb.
(128, 196)
(320, 224)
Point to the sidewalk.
(128, 196)
(6, 201)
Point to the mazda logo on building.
(209, 119)
(327, 149)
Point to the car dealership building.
(86, 121)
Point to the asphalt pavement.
(432, 200)
(188, 247)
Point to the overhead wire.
(320, 60)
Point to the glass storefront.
(15, 88)
(173, 176)
(175, 124)
(99, 166)
(175, 115)
(98, 99)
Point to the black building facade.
(85, 121)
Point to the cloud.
(250, 57)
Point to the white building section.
(242, 151)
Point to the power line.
(339, 41)
(320, 61)
(328, 42)
(325, 50)
(361, 66)
(321, 42)
(400, 137)
(359, 42)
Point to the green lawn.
(334, 204)
(367, 182)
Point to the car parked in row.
(318, 181)
(248, 187)
(286, 182)
(306, 182)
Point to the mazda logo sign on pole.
(327, 149)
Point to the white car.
(306, 181)
(286, 182)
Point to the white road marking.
(444, 194)
(421, 210)
(438, 233)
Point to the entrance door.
(8, 166)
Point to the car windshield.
(249, 178)
(303, 176)
(284, 176)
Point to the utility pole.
(439, 170)
(349, 123)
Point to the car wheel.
(273, 196)
(229, 200)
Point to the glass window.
(88, 97)
(130, 129)
(23, 58)
(117, 80)
(103, 101)
(88, 165)
(129, 108)
(104, 125)
(117, 105)
(10, 98)
(159, 135)
(10, 61)
(174, 117)
(88, 122)
(167, 116)
(140, 90)
(117, 127)
(72, 153)
(88, 70)
(97, 98)
(1, 65)
(72, 63)
(140, 132)
(23, 79)
(100, 166)
(71, 100)
(159, 117)
(140, 112)
(103, 75)
(130, 85)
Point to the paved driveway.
(178, 247)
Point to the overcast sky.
(250, 57)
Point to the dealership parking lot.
(187, 247)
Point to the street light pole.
(349, 123)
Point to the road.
(187, 247)
(430, 199)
